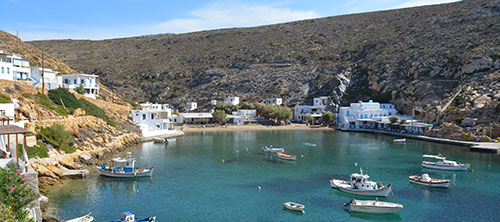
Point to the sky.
(105, 19)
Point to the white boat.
(426, 180)
(272, 149)
(285, 156)
(373, 206)
(443, 164)
(400, 140)
(360, 185)
(129, 216)
(159, 140)
(123, 168)
(86, 218)
(294, 206)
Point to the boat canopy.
(119, 160)
(437, 157)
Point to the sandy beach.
(208, 128)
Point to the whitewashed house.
(190, 106)
(213, 102)
(154, 120)
(232, 100)
(52, 81)
(246, 114)
(365, 114)
(87, 81)
(195, 118)
(315, 111)
(273, 101)
(13, 67)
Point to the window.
(347, 113)
(143, 116)
(83, 81)
(66, 81)
(90, 81)
(2, 70)
(74, 81)
(8, 70)
(390, 113)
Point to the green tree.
(393, 119)
(309, 118)
(80, 90)
(56, 136)
(328, 117)
(16, 194)
(219, 116)
(283, 113)
(270, 112)
(246, 105)
(403, 121)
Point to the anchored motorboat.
(123, 168)
(86, 218)
(426, 180)
(443, 164)
(373, 206)
(294, 206)
(129, 216)
(360, 185)
(400, 140)
(272, 149)
(285, 156)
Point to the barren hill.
(416, 58)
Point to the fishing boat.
(373, 206)
(272, 149)
(129, 216)
(400, 140)
(443, 164)
(360, 185)
(426, 180)
(285, 156)
(294, 206)
(86, 218)
(123, 168)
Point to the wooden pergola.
(7, 130)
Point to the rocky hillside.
(418, 58)
(11, 44)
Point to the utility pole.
(43, 76)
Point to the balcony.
(93, 86)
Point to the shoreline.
(252, 127)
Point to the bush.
(80, 90)
(94, 110)
(56, 136)
(459, 120)
(220, 116)
(44, 101)
(403, 121)
(5, 99)
(393, 119)
(39, 150)
(497, 108)
(16, 193)
(328, 117)
(69, 100)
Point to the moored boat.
(373, 206)
(294, 206)
(426, 180)
(400, 140)
(272, 149)
(129, 216)
(123, 168)
(443, 164)
(86, 218)
(285, 156)
(360, 185)
(159, 140)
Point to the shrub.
(403, 121)
(94, 110)
(16, 193)
(452, 108)
(497, 108)
(39, 150)
(5, 99)
(44, 101)
(56, 136)
(69, 100)
(393, 119)
(80, 90)
(459, 120)
(328, 117)
(220, 116)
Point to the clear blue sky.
(103, 19)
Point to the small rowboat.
(373, 206)
(294, 206)
(285, 156)
(426, 180)
(400, 140)
(272, 149)
(86, 218)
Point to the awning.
(365, 120)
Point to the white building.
(13, 67)
(365, 113)
(273, 101)
(154, 120)
(52, 81)
(232, 100)
(315, 111)
(213, 102)
(87, 81)
(195, 118)
(190, 106)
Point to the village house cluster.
(13, 67)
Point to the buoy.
(222, 160)
(355, 164)
(258, 187)
(302, 156)
(137, 191)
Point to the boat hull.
(273, 150)
(108, 173)
(294, 206)
(432, 183)
(346, 187)
(375, 207)
(431, 165)
(286, 156)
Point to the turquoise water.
(190, 182)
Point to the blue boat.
(129, 216)
(123, 168)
